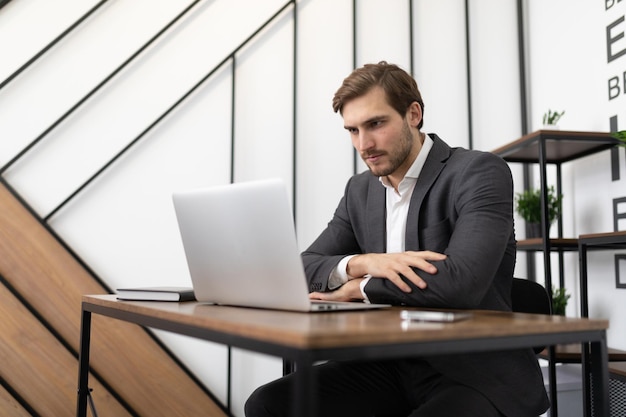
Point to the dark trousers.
(407, 388)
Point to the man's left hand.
(350, 291)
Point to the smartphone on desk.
(436, 316)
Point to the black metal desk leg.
(554, 408)
(597, 386)
(83, 364)
(305, 401)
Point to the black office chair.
(530, 297)
(526, 297)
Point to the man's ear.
(414, 114)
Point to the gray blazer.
(462, 205)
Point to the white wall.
(568, 70)
(123, 224)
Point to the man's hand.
(392, 265)
(350, 291)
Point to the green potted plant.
(551, 119)
(528, 206)
(559, 301)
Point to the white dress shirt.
(397, 212)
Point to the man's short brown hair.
(400, 88)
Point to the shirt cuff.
(362, 286)
(339, 275)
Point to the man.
(428, 226)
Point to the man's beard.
(397, 155)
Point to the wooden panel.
(53, 282)
(9, 406)
(39, 368)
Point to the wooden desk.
(307, 338)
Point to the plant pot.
(533, 230)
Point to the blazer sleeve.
(338, 240)
(468, 215)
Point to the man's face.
(380, 135)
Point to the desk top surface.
(331, 329)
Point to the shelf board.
(561, 146)
(536, 244)
(570, 353)
(611, 240)
(618, 368)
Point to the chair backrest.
(530, 297)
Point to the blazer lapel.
(376, 215)
(435, 162)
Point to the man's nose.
(365, 141)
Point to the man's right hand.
(392, 265)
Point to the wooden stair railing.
(40, 331)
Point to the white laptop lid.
(241, 248)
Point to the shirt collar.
(417, 165)
(420, 161)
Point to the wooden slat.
(9, 406)
(53, 282)
(39, 368)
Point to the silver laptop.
(241, 248)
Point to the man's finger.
(398, 282)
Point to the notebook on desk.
(241, 248)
